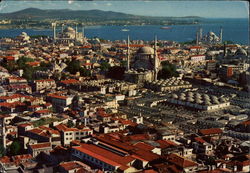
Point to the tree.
(84, 72)
(10, 66)
(15, 148)
(168, 70)
(28, 73)
(105, 66)
(73, 66)
(116, 72)
(70, 124)
(123, 63)
(2, 152)
(44, 66)
(21, 62)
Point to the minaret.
(3, 134)
(155, 58)
(62, 29)
(76, 33)
(225, 50)
(197, 37)
(54, 30)
(221, 32)
(128, 62)
(82, 30)
(200, 36)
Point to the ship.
(165, 27)
(124, 30)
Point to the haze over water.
(236, 30)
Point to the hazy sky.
(210, 9)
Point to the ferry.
(125, 30)
(165, 27)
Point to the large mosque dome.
(145, 59)
(211, 33)
(241, 51)
(145, 50)
(69, 29)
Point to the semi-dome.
(23, 34)
(210, 53)
(241, 51)
(145, 50)
(69, 29)
(211, 33)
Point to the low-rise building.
(44, 84)
(36, 149)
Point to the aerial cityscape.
(124, 86)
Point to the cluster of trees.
(74, 67)
(168, 70)
(28, 71)
(116, 72)
(12, 150)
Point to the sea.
(236, 30)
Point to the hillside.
(66, 14)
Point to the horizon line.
(132, 14)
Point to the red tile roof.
(36, 63)
(166, 143)
(195, 47)
(25, 124)
(58, 96)
(43, 111)
(5, 159)
(246, 123)
(138, 137)
(200, 140)
(41, 145)
(22, 157)
(144, 155)
(210, 131)
(61, 127)
(72, 165)
(11, 105)
(69, 81)
(45, 80)
(180, 161)
(144, 146)
(104, 155)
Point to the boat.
(165, 27)
(125, 30)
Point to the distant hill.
(84, 15)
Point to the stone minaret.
(221, 32)
(225, 50)
(82, 30)
(200, 36)
(128, 60)
(54, 30)
(76, 33)
(3, 134)
(197, 37)
(62, 28)
(155, 59)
